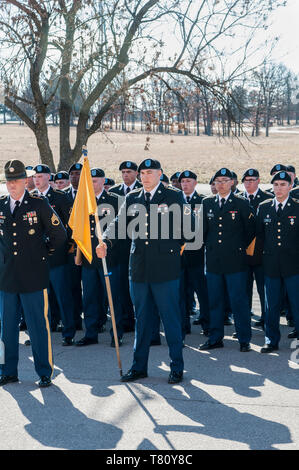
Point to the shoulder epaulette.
(136, 190)
(116, 186)
(266, 201)
(172, 188)
(59, 191)
(240, 196)
(36, 196)
(113, 195)
(3, 197)
(294, 199)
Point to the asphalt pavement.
(228, 399)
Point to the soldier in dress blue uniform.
(76, 271)
(194, 260)
(29, 231)
(155, 266)
(94, 286)
(60, 279)
(275, 169)
(254, 194)
(109, 182)
(278, 228)
(62, 180)
(235, 190)
(174, 180)
(129, 172)
(228, 229)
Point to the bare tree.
(90, 53)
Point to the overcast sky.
(286, 25)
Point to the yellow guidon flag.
(84, 206)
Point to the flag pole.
(107, 281)
(109, 293)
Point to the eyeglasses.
(227, 180)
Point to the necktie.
(279, 210)
(75, 193)
(188, 199)
(251, 197)
(128, 190)
(222, 203)
(147, 198)
(17, 205)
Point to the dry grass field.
(204, 155)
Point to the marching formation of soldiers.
(246, 236)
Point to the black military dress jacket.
(227, 233)
(152, 259)
(62, 205)
(280, 236)
(26, 242)
(261, 196)
(194, 258)
(108, 206)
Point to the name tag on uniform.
(267, 220)
(210, 214)
(132, 211)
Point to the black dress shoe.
(268, 348)
(259, 323)
(206, 332)
(155, 342)
(86, 341)
(23, 326)
(245, 347)
(228, 322)
(175, 377)
(120, 342)
(44, 382)
(6, 379)
(234, 335)
(206, 346)
(293, 334)
(132, 375)
(27, 342)
(68, 342)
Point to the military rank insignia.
(55, 220)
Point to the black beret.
(187, 174)
(234, 175)
(164, 178)
(29, 167)
(127, 165)
(290, 168)
(149, 164)
(175, 176)
(42, 169)
(223, 172)
(97, 172)
(278, 167)
(281, 176)
(250, 172)
(52, 177)
(76, 167)
(211, 180)
(109, 181)
(62, 175)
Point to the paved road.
(228, 400)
